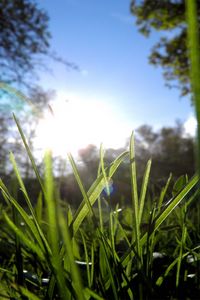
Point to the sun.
(71, 124)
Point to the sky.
(101, 38)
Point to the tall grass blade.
(53, 231)
(100, 204)
(29, 204)
(104, 170)
(29, 153)
(26, 240)
(105, 253)
(37, 234)
(144, 189)
(28, 294)
(89, 293)
(80, 184)
(39, 209)
(163, 193)
(134, 193)
(194, 48)
(94, 192)
(174, 202)
(86, 259)
(76, 278)
(18, 251)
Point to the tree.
(24, 35)
(171, 51)
(170, 149)
(24, 41)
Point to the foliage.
(171, 51)
(24, 35)
(171, 151)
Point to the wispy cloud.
(126, 19)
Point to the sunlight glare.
(75, 123)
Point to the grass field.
(149, 250)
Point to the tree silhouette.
(24, 35)
(167, 17)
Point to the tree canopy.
(24, 35)
(167, 17)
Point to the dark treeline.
(171, 151)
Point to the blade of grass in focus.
(194, 55)
(144, 189)
(94, 192)
(40, 236)
(175, 201)
(135, 203)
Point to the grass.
(98, 254)
(147, 251)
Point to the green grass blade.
(29, 153)
(80, 184)
(92, 266)
(99, 204)
(144, 189)
(89, 293)
(50, 203)
(134, 193)
(86, 258)
(29, 222)
(18, 251)
(104, 170)
(38, 209)
(94, 192)
(163, 193)
(29, 204)
(76, 278)
(56, 259)
(171, 266)
(27, 293)
(105, 254)
(176, 200)
(21, 184)
(193, 47)
(180, 257)
(26, 240)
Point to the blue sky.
(102, 39)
